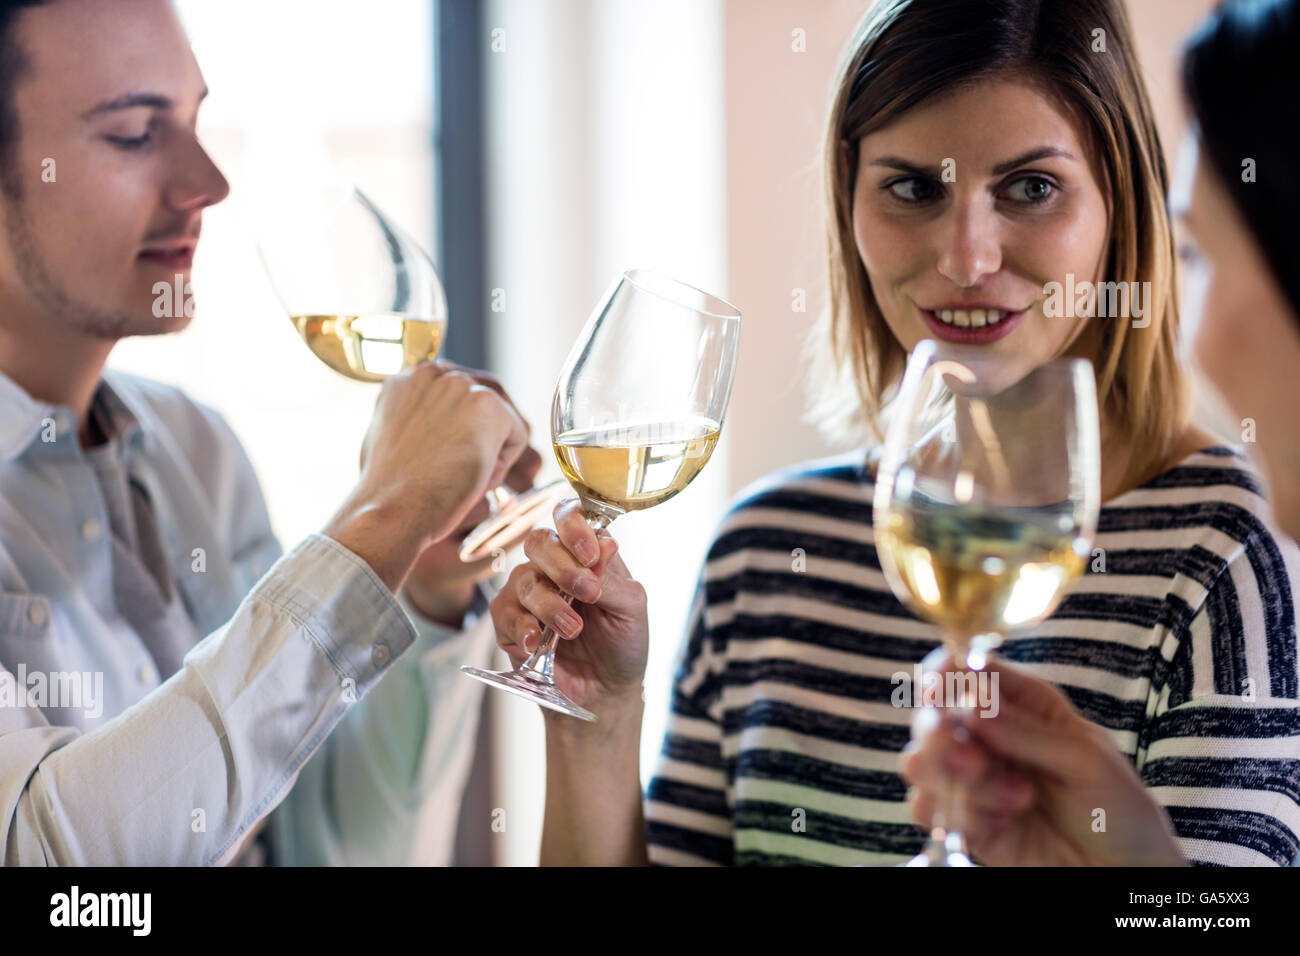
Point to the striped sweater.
(783, 746)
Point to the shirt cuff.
(344, 607)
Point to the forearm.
(178, 778)
(445, 607)
(594, 815)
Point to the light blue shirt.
(166, 672)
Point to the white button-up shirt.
(265, 660)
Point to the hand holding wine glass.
(605, 629)
(1033, 777)
(986, 503)
(437, 441)
(637, 412)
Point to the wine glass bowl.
(363, 295)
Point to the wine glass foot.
(516, 516)
(521, 685)
(940, 857)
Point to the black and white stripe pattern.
(783, 746)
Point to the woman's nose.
(970, 246)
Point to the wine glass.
(986, 501)
(368, 302)
(637, 412)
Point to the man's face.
(111, 97)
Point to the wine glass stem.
(947, 827)
(540, 665)
(947, 832)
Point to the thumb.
(1023, 737)
(513, 445)
(1029, 694)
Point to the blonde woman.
(977, 151)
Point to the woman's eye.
(912, 189)
(1188, 252)
(1032, 189)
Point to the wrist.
(447, 606)
(379, 531)
(618, 721)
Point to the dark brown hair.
(13, 67)
(1237, 69)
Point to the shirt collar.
(119, 413)
(25, 421)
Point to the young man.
(131, 524)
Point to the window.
(295, 88)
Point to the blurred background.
(536, 148)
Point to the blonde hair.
(905, 51)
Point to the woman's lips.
(971, 335)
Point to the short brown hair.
(904, 52)
(13, 67)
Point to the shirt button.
(379, 654)
(90, 529)
(145, 674)
(36, 614)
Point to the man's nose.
(197, 182)
(970, 245)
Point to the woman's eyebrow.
(918, 169)
(897, 162)
(1042, 152)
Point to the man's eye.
(912, 189)
(129, 142)
(1032, 189)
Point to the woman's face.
(966, 207)
(1247, 337)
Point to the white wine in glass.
(980, 574)
(632, 467)
(368, 302)
(637, 412)
(987, 494)
(369, 348)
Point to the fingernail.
(587, 589)
(585, 552)
(566, 622)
